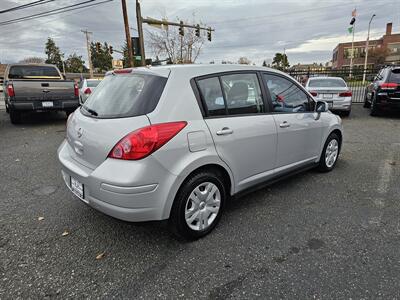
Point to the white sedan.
(87, 87)
(333, 90)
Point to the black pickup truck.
(37, 87)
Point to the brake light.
(144, 141)
(315, 94)
(346, 94)
(88, 91)
(10, 90)
(123, 71)
(389, 85)
(76, 89)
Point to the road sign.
(117, 64)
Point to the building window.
(394, 49)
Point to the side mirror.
(321, 107)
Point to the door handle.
(285, 124)
(224, 131)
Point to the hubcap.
(202, 206)
(331, 153)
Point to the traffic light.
(198, 30)
(209, 34)
(98, 46)
(111, 50)
(353, 20)
(181, 32)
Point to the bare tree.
(177, 48)
(32, 60)
(244, 61)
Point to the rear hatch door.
(118, 106)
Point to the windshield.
(33, 72)
(93, 83)
(126, 95)
(327, 82)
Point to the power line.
(54, 12)
(28, 5)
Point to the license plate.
(327, 96)
(47, 103)
(77, 188)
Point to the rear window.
(125, 95)
(93, 83)
(328, 82)
(33, 72)
(394, 76)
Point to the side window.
(242, 93)
(211, 92)
(286, 96)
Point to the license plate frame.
(47, 104)
(77, 188)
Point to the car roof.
(196, 70)
(332, 77)
(31, 64)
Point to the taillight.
(315, 94)
(76, 89)
(10, 90)
(144, 141)
(346, 94)
(88, 91)
(389, 85)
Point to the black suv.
(384, 92)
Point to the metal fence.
(355, 82)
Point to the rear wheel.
(374, 108)
(15, 116)
(198, 205)
(330, 153)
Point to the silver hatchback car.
(176, 142)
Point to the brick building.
(384, 50)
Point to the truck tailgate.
(43, 90)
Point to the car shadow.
(42, 118)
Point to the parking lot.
(333, 235)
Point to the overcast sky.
(257, 29)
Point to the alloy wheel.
(331, 153)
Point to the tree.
(54, 56)
(280, 61)
(75, 64)
(101, 58)
(176, 48)
(32, 60)
(244, 61)
(264, 64)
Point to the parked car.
(176, 142)
(87, 87)
(383, 94)
(333, 90)
(37, 87)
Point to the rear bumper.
(38, 106)
(341, 104)
(122, 189)
(383, 101)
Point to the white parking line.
(386, 169)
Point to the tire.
(374, 109)
(346, 113)
(15, 116)
(366, 103)
(68, 112)
(185, 211)
(325, 165)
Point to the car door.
(299, 127)
(244, 135)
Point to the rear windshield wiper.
(91, 111)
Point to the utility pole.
(127, 33)
(87, 33)
(140, 32)
(352, 52)
(366, 49)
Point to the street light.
(366, 48)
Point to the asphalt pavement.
(313, 236)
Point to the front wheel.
(198, 205)
(330, 153)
